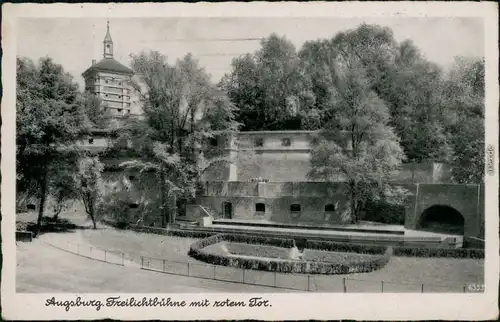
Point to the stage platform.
(363, 233)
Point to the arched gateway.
(442, 219)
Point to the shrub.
(383, 212)
(439, 252)
(345, 247)
(159, 231)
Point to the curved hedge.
(284, 266)
(439, 252)
(345, 247)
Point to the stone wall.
(284, 156)
(313, 198)
(468, 200)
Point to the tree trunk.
(43, 197)
(162, 198)
(93, 221)
(174, 209)
(58, 208)
(91, 210)
(354, 202)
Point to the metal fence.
(298, 282)
(92, 252)
(287, 281)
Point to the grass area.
(135, 244)
(43, 269)
(314, 255)
(258, 250)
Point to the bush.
(159, 231)
(345, 247)
(439, 252)
(385, 213)
(285, 266)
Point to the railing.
(287, 281)
(298, 282)
(92, 252)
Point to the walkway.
(42, 269)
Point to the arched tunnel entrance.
(442, 219)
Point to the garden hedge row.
(197, 251)
(160, 231)
(397, 250)
(439, 252)
(345, 247)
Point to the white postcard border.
(285, 306)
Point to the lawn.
(43, 269)
(135, 244)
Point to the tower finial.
(108, 43)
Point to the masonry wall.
(466, 199)
(284, 156)
(314, 196)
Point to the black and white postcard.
(265, 161)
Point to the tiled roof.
(109, 65)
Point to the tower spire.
(108, 43)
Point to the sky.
(74, 42)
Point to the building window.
(329, 207)
(259, 142)
(213, 141)
(286, 142)
(295, 208)
(260, 207)
(91, 141)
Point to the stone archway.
(442, 219)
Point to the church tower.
(109, 80)
(108, 44)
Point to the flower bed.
(324, 256)
(199, 251)
(258, 250)
(345, 247)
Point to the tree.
(63, 186)
(357, 146)
(89, 182)
(48, 124)
(410, 86)
(414, 94)
(97, 114)
(270, 89)
(182, 111)
(464, 102)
